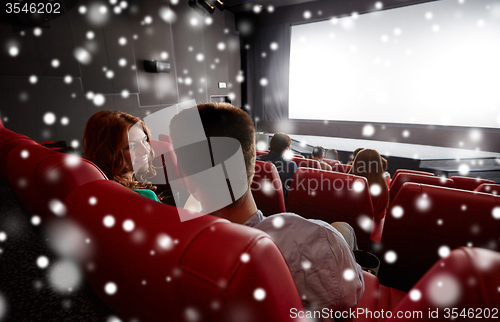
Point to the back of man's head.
(220, 120)
(318, 152)
(280, 142)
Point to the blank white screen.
(434, 63)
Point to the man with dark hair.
(318, 255)
(318, 154)
(280, 143)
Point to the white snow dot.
(13, 51)
(92, 201)
(208, 21)
(440, 222)
(368, 130)
(270, 9)
(33, 79)
(36, 220)
(125, 93)
(384, 38)
(274, 46)
(108, 221)
(64, 276)
(188, 81)
(164, 55)
(444, 290)
(245, 257)
(263, 82)
(259, 294)
(463, 169)
(110, 74)
(55, 63)
(3, 236)
(64, 120)
(307, 14)
(349, 274)
(99, 99)
(82, 10)
(423, 203)
(240, 78)
(165, 241)
(82, 55)
(122, 41)
(49, 118)
(148, 20)
(379, 5)
(475, 135)
(144, 282)
(122, 62)
(358, 185)
(415, 295)
(123, 4)
(57, 207)
(375, 189)
(397, 211)
(128, 225)
(444, 251)
(200, 57)
(25, 154)
(435, 28)
(194, 21)
(68, 79)
(496, 212)
(221, 46)
(428, 15)
(191, 314)
(256, 8)
(42, 262)
(390, 257)
(103, 10)
(306, 264)
(90, 35)
(75, 144)
(278, 222)
(365, 223)
(463, 207)
(406, 133)
(37, 32)
(480, 23)
(110, 288)
(168, 279)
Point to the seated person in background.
(332, 154)
(354, 155)
(316, 253)
(280, 143)
(117, 147)
(368, 164)
(318, 154)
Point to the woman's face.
(137, 149)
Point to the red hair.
(103, 142)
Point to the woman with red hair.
(119, 144)
(368, 164)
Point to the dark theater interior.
(211, 160)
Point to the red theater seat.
(306, 163)
(424, 222)
(494, 189)
(424, 173)
(332, 163)
(333, 196)
(401, 178)
(465, 283)
(267, 189)
(467, 183)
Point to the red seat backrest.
(467, 183)
(464, 282)
(267, 189)
(344, 168)
(262, 152)
(494, 189)
(333, 196)
(401, 178)
(167, 269)
(424, 173)
(165, 138)
(331, 162)
(424, 220)
(306, 163)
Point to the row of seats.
(167, 269)
(163, 268)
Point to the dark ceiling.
(247, 5)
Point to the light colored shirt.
(321, 262)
